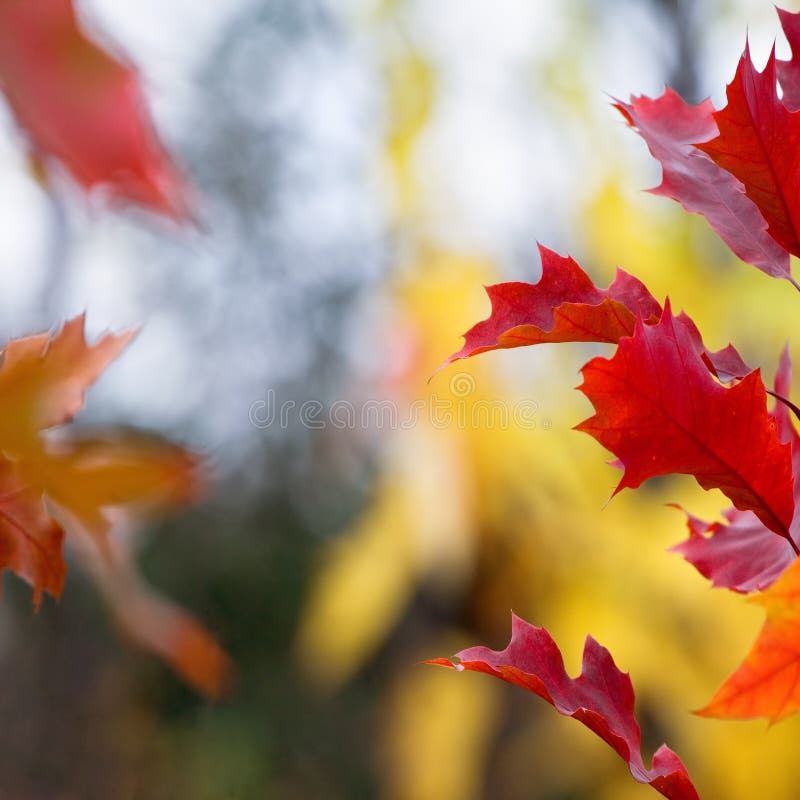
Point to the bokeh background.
(361, 168)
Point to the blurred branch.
(681, 16)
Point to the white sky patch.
(165, 37)
(481, 36)
(24, 228)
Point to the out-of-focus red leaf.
(741, 553)
(660, 411)
(564, 306)
(82, 106)
(671, 128)
(758, 144)
(767, 684)
(601, 697)
(789, 71)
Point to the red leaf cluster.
(671, 127)
(736, 166)
(665, 404)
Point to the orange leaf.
(43, 379)
(155, 624)
(42, 383)
(88, 476)
(767, 684)
(86, 483)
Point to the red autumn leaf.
(82, 106)
(660, 411)
(758, 144)
(789, 71)
(671, 128)
(767, 684)
(601, 697)
(564, 306)
(742, 554)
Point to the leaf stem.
(786, 401)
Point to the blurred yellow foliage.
(410, 98)
(438, 733)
